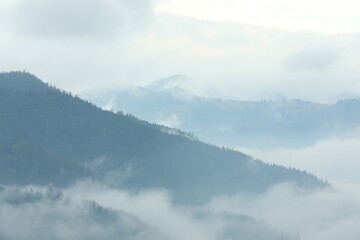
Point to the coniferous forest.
(50, 136)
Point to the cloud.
(66, 18)
(230, 60)
(319, 215)
(306, 15)
(334, 159)
(92, 211)
(34, 213)
(312, 59)
(223, 59)
(172, 121)
(155, 209)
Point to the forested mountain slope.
(234, 123)
(50, 136)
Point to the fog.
(323, 214)
(88, 45)
(312, 58)
(89, 210)
(334, 159)
(332, 213)
(38, 213)
(306, 15)
(69, 19)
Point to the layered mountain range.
(50, 136)
(263, 124)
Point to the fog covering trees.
(50, 136)
(263, 124)
(47, 214)
(35, 213)
(142, 180)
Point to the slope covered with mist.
(50, 213)
(252, 124)
(50, 136)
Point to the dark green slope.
(47, 135)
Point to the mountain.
(167, 83)
(233, 123)
(50, 136)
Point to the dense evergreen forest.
(50, 136)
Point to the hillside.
(234, 123)
(50, 136)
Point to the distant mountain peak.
(167, 83)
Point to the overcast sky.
(235, 49)
(308, 15)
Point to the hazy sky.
(307, 15)
(89, 44)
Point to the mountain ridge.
(52, 136)
(250, 124)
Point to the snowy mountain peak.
(174, 81)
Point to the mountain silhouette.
(50, 136)
(266, 124)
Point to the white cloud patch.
(312, 58)
(35, 213)
(92, 211)
(225, 129)
(333, 159)
(297, 213)
(155, 209)
(230, 60)
(305, 15)
(311, 215)
(123, 43)
(172, 121)
(93, 18)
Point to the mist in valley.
(172, 120)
